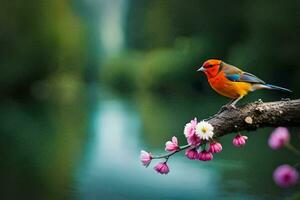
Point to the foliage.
(260, 37)
(38, 38)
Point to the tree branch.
(256, 115)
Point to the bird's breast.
(229, 88)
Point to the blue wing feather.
(233, 77)
(244, 77)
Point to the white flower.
(204, 130)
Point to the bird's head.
(210, 67)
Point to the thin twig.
(181, 148)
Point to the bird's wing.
(250, 78)
(235, 74)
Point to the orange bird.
(232, 82)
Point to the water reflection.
(53, 150)
(112, 167)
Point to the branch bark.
(257, 115)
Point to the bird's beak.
(201, 69)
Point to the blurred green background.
(86, 84)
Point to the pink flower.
(190, 128)
(279, 137)
(285, 176)
(145, 158)
(162, 168)
(172, 145)
(194, 140)
(215, 147)
(190, 133)
(205, 156)
(192, 154)
(239, 140)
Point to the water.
(89, 148)
(114, 151)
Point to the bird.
(232, 82)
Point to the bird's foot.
(226, 107)
(285, 99)
(259, 101)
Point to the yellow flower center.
(204, 130)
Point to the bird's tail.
(270, 87)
